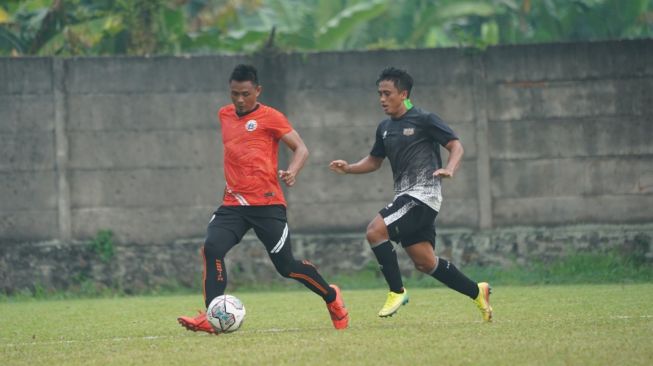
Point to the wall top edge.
(645, 42)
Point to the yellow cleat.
(483, 301)
(393, 303)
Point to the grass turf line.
(545, 325)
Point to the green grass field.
(545, 325)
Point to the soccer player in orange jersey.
(253, 198)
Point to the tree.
(139, 27)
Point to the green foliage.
(537, 325)
(85, 288)
(575, 268)
(103, 245)
(579, 268)
(338, 28)
(141, 27)
(554, 20)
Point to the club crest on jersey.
(409, 131)
(251, 125)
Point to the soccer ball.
(226, 313)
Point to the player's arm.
(456, 152)
(365, 165)
(299, 157)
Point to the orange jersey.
(251, 145)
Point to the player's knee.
(283, 266)
(425, 266)
(218, 242)
(213, 248)
(420, 267)
(374, 234)
(284, 270)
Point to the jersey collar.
(252, 111)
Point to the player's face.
(243, 95)
(392, 100)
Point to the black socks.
(387, 258)
(448, 274)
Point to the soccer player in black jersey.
(411, 140)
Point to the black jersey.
(412, 145)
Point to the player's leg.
(384, 251)
(419, 246)
(382, 229)
(422, 255)
(271, 228)
(446, 272)
(307, 274)
(224, 231)
(214, 277)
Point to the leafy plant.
(103, 245)
(141, 27)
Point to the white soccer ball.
(226, 313)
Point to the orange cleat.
(198, 323)
(338, 311)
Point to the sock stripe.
(308, 279)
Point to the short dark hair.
(400, 78)
(244, 72)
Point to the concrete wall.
(143, 154)
(28, 179)
(554, 135)
(127, 144)
(337, 110)
(570, 131)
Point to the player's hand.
(339, 166)
(443, 173)
(288, 177)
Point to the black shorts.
(409, 221)
(269, 223)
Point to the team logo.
(385, 133)
(409, 131)
(251, 125)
